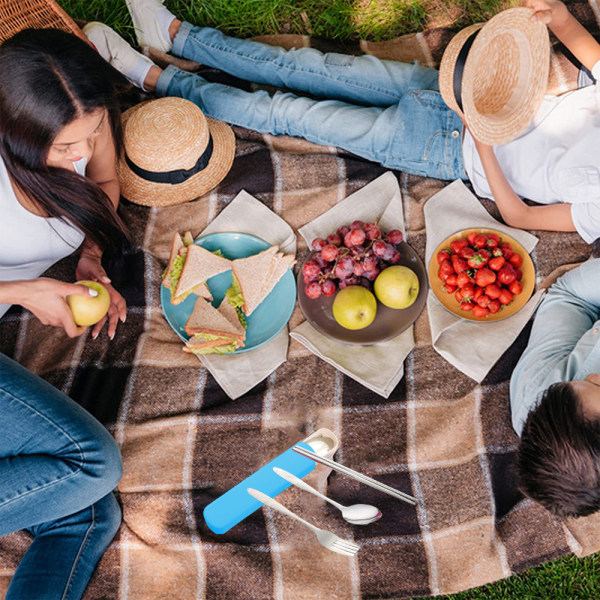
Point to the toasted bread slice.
(205, 318)
(176, 244)
(281, 265)
(251, 272)
(231, 314)
(200, 265)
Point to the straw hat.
(504, 65)
(173, 153)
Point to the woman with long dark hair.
(59, 139)
(60, 133)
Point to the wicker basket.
(21, 14)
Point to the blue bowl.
(266, 321)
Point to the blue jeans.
(58, 467)
(385, 111)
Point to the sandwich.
(189, 267)
(255, 276)
(212, 330)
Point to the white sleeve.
(586, 218)
(596, 71)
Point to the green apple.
(397, 287)
(354, 307)
(88, 310)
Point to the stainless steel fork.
(326, 538)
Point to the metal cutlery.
(382, 487)
(326, 538)
(356, 514)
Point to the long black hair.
(48, 78)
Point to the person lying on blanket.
(555, 397)
(386, 111)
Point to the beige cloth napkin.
(450, 210)
(238, 373)
(379, 367)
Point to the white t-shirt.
(30, 244)
(556, 160)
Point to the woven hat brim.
(510, 120)
(148, 193)
(503, 123)
(449, 58)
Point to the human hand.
(46, 299)
(90, 267)
(553, 13)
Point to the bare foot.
(152, 78)
(174, 28)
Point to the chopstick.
(382, 487)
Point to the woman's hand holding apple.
(90, 268)
(46, 299)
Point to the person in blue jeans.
(388, 112)
(555, 397)
(58, 467)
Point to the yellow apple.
(354, 307)
(88, 310)
(397, 287)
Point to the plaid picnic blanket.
(438, 436)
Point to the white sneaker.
(146, 24)
(115, 50)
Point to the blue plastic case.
(236, 504)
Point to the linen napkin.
(450, 210)
(379, 367)
(238, 373)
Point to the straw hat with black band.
(497, 74)
(172, 152)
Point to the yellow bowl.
(449, 302)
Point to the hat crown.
(166, 134)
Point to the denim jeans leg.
(361, 130)
(363, 79)
(65, 552)
(55, 458)
(419, 135)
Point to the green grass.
(334, 19)
(568, 578)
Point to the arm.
(567, 29)
(551, 217)
(569, 310)
(46, 299)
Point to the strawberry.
(485, 277)
(505, 296)
(496, 263)
(477, 261)
(480, 312)
(516, 260)
(494, 306)
(456, 245)
(492, 291)
(506, 274)
(442, 256)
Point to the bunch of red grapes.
(354, 255)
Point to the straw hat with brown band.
(497, 74)
(173, 153)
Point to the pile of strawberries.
(483, 272)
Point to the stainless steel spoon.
(357, 514)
